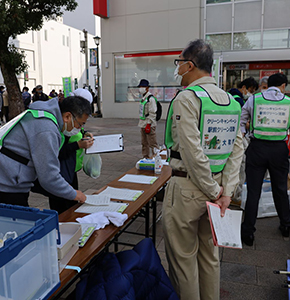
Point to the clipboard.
(107, 143)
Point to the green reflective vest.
(142, 115)
(271, 119)
(79, 153)
(4, 130)
(218, 126)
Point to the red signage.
(267, 73)
(101, 8)
(269, 65)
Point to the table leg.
(147, 220)
(154, 210)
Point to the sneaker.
(248, 239)
(284, 230)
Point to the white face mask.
(178, 77)
(74, 131)
(263, 90)
(247, 96)
(142, 90)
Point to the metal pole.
(99, 86)
(86, 57)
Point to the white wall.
(49, 60)
(143, 26)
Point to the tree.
(18, 17)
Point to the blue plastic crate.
(29, 264)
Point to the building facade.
(140, 39)
(53, 53)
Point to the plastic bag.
(92, 165)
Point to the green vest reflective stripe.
(218, 127)
(237, 96)
(168, 141)
(4, 130)
(271, 118)
(79, 153)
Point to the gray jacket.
(37, 140)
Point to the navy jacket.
(234, 92)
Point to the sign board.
(101, 8)
(66, 82)
(267, 73)
(93, 57)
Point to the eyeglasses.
(80, 125)
(176, 61)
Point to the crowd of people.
(218, 140)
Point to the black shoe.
(284, 230)
(248, 239)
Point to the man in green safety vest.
(269, 113)
(245, 90)
(202, 133)
(70, 157)
(30, 146)
(147, 119)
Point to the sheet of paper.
(98, 199)
(143, 179)
(106, 143)
(227, 229)
(113, 206)
(121, 194)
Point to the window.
(219, 42)
(216, 1)
(247, 40)
(158, 70)
(67, 41)
(45, 35)
(275, 39)
(63, 40)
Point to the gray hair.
(264, 80)
(200, 53)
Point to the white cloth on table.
(103, 218)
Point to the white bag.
(266, 203)
(92, 165)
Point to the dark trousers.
(14, 198)
(260, 156)
(61, 204)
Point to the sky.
(82, 17)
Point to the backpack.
(159, 108)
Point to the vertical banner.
(66, 82)
(93, 57)
(26, 78)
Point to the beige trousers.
(148, 141)
(194, 268)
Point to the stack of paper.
(226, 231)
(113, 206)
(143, 179)
(121, 194)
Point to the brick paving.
(245, 274)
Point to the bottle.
(158, 162)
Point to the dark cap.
(143, 83)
